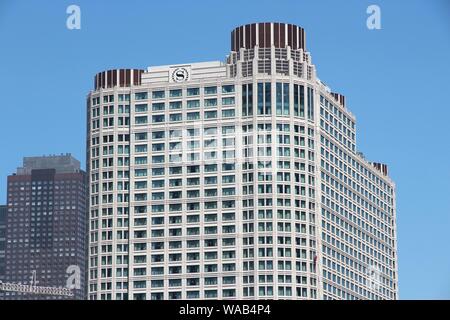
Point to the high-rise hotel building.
(234, 180)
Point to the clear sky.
(396, 82)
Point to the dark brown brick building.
(46, 225)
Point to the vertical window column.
(299, 100)
(310, 104)
(279, 98)
(282, 98)
(268, 102)
(264, 98)
(286, 99)
(247, 99)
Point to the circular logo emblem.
(180, 75)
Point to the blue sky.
(396, 82)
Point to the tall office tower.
(2, 245)
(234, 180)
(46, 226)
(2, 241)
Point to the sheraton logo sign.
(180, 74)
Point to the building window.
(228, 88)
(264, 98)
(158, 94)
(141, 107)
(176, 117)
(210, 90)
(175, 93)
(193, 104)
(299, 100)
(158, 106)
(175, 105)
(228, 113)
(227, 101)
(210, 114)
(193, 92)
(158, 118)
(141, 120)
(141, 96)
(193, 115)
(210, 102)
(247, 99)
(282, 98)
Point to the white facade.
(236, 180)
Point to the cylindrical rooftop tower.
(267, 34)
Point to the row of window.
(264, 104)
(161, 106)
(174, 117)
(161, 94)
(193, 132)
(176, 93)
(282, 99)
(209, 294)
